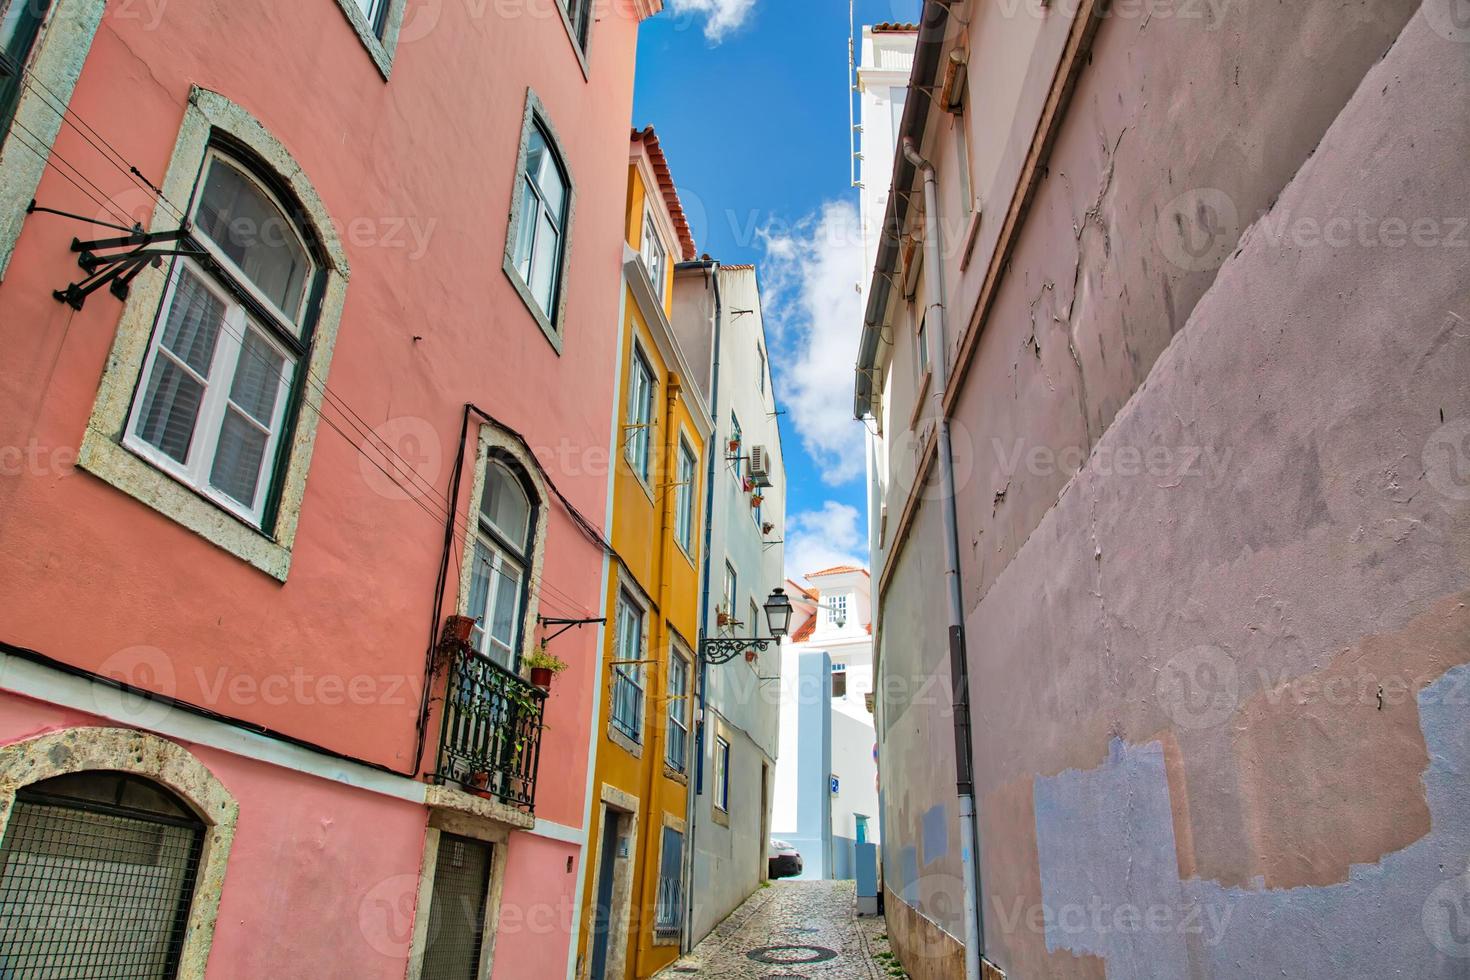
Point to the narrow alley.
(793, 929)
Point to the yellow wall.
(656, 569)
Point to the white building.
(882, 84)
(827, 773)
(718, 320)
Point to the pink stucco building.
(242, 491)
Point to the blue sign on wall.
(835, 785)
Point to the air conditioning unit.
(760, 466)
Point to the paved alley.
(793, 929)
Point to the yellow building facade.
(633, 895)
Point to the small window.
(20, 23)
(678, 748)
(839, 682)
(627, 694)
(722, 774)
(640, 413)
(737, 440)
(836, 610)
(670, 885)
(502, 559)
(760, 371)
(753, 624)
(217, 385)
(544, 192)
(655, 256)
(731, 582)
(97, 875)
(684, 499)
(921, 349)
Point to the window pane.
(543, 265)
(192, 328)
(480, 575)
(526, 230)
(542, 168)
(255, 234)
(258, 377)
(506, 507)
(170, 408)
(238, 458)
(507, 604)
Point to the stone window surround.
(168, 763)
(56, 63)
(552, 326)
(442, 821)
(493, 440)
(380, 48)
(102, 453)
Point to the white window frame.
(688, 478)
(678, 710)
(196, 469)
(629, 676)
(732, 585)
(496, 547)
(642, 388)
(722, 774)
(834, 603)
(655, 253)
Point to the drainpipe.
(696, 775)
(958, 661)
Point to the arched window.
(502, 562)
(97, 873)
(215, 398)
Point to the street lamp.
(723, 649)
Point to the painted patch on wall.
(936, 833)
(1110, 883)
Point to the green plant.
(544, 659)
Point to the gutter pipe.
(958, 661)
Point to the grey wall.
(1218, 674)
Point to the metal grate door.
(89, 893)
(457, 909)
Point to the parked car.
(784, 859)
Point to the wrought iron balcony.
(490, 742)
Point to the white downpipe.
(937, 338)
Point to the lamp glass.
(778, 612)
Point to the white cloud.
(811, 274)
(818, 539)
(721, 16)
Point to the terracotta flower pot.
(541, 677)
(457, 629)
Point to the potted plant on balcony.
(756, 499)
(544, 665)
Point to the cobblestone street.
(793, 929)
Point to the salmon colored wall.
(298, 846)
(86, 572)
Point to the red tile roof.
(804, 631)
(811, 594)
(738, 268)
(889, 27)
(666, 183)
(836, 570)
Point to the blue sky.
(748, 97)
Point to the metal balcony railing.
(490, 742)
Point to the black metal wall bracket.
(116, 262)
(566, 624)
(723, 649)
